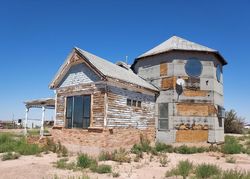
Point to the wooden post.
(55, 107)
(26, 120)
(43, 117)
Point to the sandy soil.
(32, 167)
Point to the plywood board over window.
(163, 69)
(168, 83)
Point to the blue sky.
(36, 37)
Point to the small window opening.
(134, 103)
(128, 102)
(139, 104)
(163, 116)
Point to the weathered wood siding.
(119, 114)
(96, 91)
(78, 74)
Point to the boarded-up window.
(168, 83)
(163, 69)
(163, 116)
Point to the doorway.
(78, 111)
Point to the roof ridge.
(112, 70)
(176, 43)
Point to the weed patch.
(207, 170)
(85, 161)
(231, 146)
(162, 147)
(183, 149)
(103, 168)
(10, 156)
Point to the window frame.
(190, 60)
(218, 66)
(163, 118)
(129, 102)
(70, 114)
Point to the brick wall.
(102, 138)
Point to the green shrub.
(103, 156)
(5, 138)
(231, 146)
(61, 163)
(143, 146)
(172, 172)
(184, 168)
(27, 149)
(10, 156)
(85, 161)
(233, 123)
(103, 168)
(235, 174)
(183, 149)
(137, 148)
(121, 156)
(11, 143)
(161, 147)
(206, 170)
(213, 148)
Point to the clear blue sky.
(36, 37)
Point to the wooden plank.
(195, 93)
(163, 69)
(194, 109)
(191, 135)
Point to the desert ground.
(149, 167)
(30, 167)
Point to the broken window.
(129, 102)
(193, 67)
(163, 116)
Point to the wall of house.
(111, 118)
(119, 114)
(78, 74)
(197, 105)
(97, 96)
(107, 139)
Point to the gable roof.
(178, 43)
(108, 69)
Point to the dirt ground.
(34, 167)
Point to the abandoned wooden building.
(171, 93)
